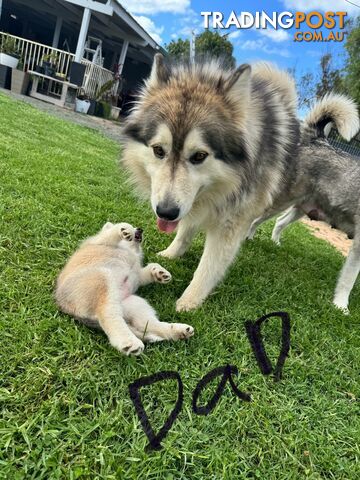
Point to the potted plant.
(9, 52)
(19, 79)
(82, 102)
(115, 110)
(103, 109)
(94, 101)
(49, 62)
(92, 107)
(5, 76)
(104, 100)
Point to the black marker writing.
(134, 389)
(253, 330)
(227, 371)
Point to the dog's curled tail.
(336, 109)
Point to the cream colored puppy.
(97, 287)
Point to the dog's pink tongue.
(166, 226)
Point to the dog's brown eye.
(159, 151)
(198, 157)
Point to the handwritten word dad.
(253, 331)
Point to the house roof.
(112, 22)
(134, 24)
(115, 19)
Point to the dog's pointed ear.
(238, 83)
(159, 73)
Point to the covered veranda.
(100, 34)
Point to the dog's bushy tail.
(336, 109)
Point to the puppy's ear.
(159, 73)
(107, 226)
(237, 86)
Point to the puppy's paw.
(159, 274)
(129, 346)
(126, 233)
(181, 331)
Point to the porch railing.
(32, 54)
(95, 77)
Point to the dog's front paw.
(159, 274)
(168, 253)
(181, 331)
(126, 233)
(343, 308)
(129, 346)
(187, 303)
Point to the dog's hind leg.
(106, 298)
(182, 241)
(256, 223)
(143, 322)
(269, 214)
(348, 276)
(289, 216)
(111, 319)
(94, 298)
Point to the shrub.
(103, 109)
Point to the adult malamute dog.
(327, 184)
(211, 148)
(97, 287)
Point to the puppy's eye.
(159, 152)
(198, 157)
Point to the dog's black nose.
(138, 234)
(167, 211)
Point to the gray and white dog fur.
(212, 148)
(326, 185)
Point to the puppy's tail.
(335, 109)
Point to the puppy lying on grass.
(97, 287)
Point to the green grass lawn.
(65, 406)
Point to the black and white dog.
(326, 185)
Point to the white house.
(100, 34)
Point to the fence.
(352, 147)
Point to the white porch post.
(82, 35)
(1, 2)
(122, 56)
(55, 42)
